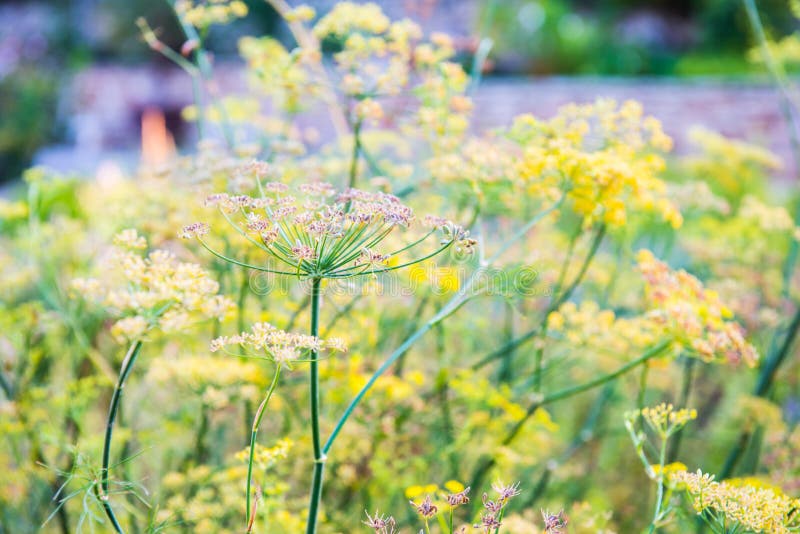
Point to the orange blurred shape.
(158, 145)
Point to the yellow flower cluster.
(768, 218)
(665, 420)
(204, 13)
(753, 412)
(376, 54)
(217, 380)
(731, 167)
(479, 161)
(349, 17)
(585, 324)
(153, 291)
(279, 73)
(754, 508)
(693, 315)
(202, 499)
(785, 51)
(604, 156)
(444, 110)
(266, 457)
(697, 196)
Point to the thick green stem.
(127, 366)
(319, 455)
(250, 519)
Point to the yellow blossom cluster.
(585, 324)
(204, 13)
(605, 156)
(731, 167)
(477, 162)
(768, 218)
(285, 76)
(152, 291)
(753, 412)
(665, 420)
(266, 457)
(202, 498)
(785, 50)
(444, 108)
(692, 314)
(349, 17)
(697, 196)
(754, 508)
(216, 380)
(380, 58)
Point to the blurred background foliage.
(626, 37)
(51, 39)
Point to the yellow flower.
(755, 508)
(692, 314)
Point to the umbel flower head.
(152, 291)
(270, 343)
(316, 232)
(664, 420)
(693, 314)
(756, 509)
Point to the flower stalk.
(319, 455)
(250, 519)
(127, 366)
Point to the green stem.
(353, 177)
(319, 454)
(250, 520)
(483, 470)
(662, 460)
(787, 104)
(765, 380)
(449, 308)
(686, 390)
(558, 300)
(127, 366)
(642, 387)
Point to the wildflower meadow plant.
(156, 292)
(318, 235)
(594, 285)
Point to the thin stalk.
(483, 470)
(558, 300)
(319, 454)
(765, 380)
(584, 435)
(662, 460)
(127, 366)
(250, 520)
(683, 401)
(353, 177)
(642, 387)
(787, 104)
(449, 308)
(555, 303)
